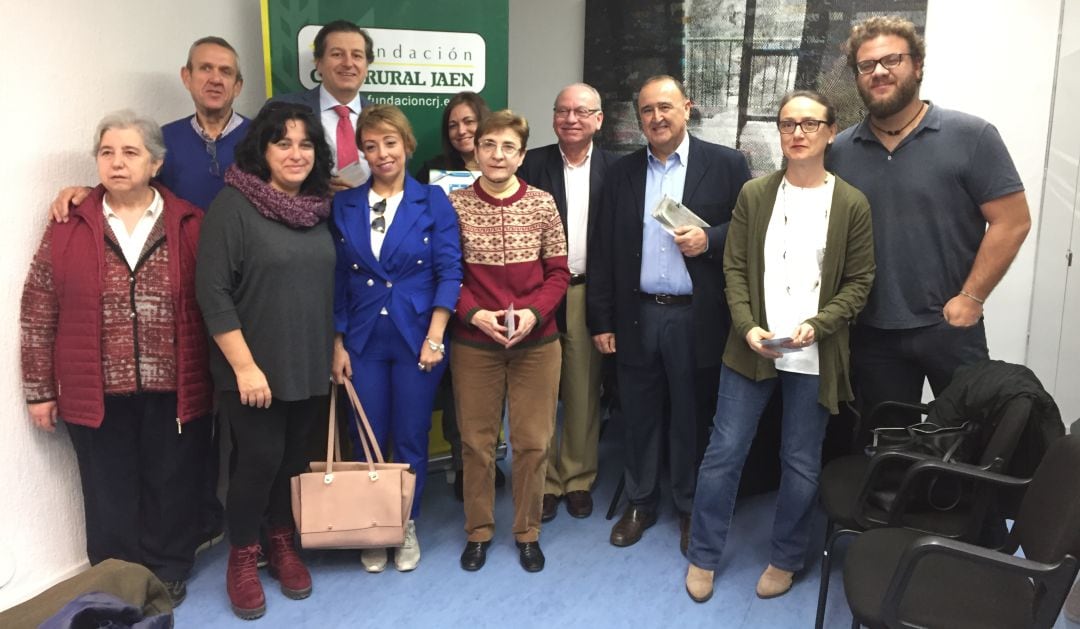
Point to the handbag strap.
(333, 450)
(363, 427)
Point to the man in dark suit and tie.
(343, 52)
(572, 171)
(660, 297)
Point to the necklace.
(901, 129)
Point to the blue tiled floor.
(587, 582)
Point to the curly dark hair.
(269, 127)
(879, 25)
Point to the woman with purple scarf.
(265, 282)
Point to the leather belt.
(667, 300)
(577, 279)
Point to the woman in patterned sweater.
(505, 347)
(113, 345)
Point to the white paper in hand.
(354, 174)
(776, 345)
(671, 214)
(511, 322)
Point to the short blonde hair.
(504, 119)
(375, 116)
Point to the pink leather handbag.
(352, 504)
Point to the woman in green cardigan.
(798, 263)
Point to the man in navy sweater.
(199, 147)
(198, 150)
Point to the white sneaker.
(406, 557)
(374, 559)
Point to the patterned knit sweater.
(140, 334)
(514, 252)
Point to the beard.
(906, 90)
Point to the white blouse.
(794, 250)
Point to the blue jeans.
(738, 410)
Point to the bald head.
(577, 117)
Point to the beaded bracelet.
(436, 347)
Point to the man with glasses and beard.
(949, 212)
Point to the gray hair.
(592, 91)
(127, 119)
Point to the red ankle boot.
(285, 564)
(242, 582)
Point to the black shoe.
(628, 530)
(474, 555)
(177, 591)
(500, 478)
(531, 557)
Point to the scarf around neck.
(295, 211)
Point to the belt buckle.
(663, 300)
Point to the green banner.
(425, 52)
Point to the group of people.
(225, 270)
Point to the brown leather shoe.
(684, 532)
(774, 582)
(550, 508)
(579, 504)
(628, 530)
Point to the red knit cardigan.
(513, 252)
(75, 316)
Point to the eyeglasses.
(787, 127)
(509, 150)
(866, 66)
(211, 150)
(580, 112)
(379, 222)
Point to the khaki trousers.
(528, 380)
(572, 455)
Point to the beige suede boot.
(699, 584)
(774, 582)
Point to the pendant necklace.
(901, 129)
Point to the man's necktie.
(346, 138)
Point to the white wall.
(547, 52)
(90, 58)
(66, 64)
(997, 62)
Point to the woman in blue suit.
(398, 277)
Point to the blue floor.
(587, 582)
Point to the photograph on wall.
(737, 59)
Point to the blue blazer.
(419, 266)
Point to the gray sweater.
(276, 284)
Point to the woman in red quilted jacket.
(113, 344)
